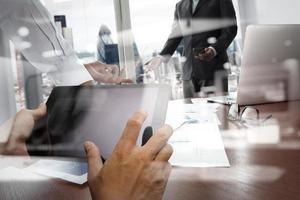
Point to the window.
(151, 24)
(85, 17)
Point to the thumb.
(39, 113)
(93, 158)
(115, 70)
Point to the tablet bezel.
(158, 118)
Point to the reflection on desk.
(268, 170)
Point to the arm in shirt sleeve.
(47, 50)
(174, 38)
(228, 33)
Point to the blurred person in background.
(104, 41)
(104, 38)
(204, 47)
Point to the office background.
(144, 23)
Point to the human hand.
(132, 172)
(207, 55)
(121, 80)
(154, 63)
(22, 126)
(105, 73)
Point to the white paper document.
(196, 140)
(71, 171)
(204, 102)
(179, 114)
(13, 174)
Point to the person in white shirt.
(28, 25)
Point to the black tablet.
(98, 114)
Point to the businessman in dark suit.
(205, 28)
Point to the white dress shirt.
(195, 3)
(29, 26)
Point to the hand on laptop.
(20, 130)
(132, 172)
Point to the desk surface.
(258, 171)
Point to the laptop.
(270, 66)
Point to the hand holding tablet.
(132, 171)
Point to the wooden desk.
(258, 171)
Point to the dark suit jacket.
(211, 19)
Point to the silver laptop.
(270, 66)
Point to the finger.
(39, 113)
(128, 81)
(198, 57)
(201, 56)
(158, 141)
(209, 56)
(122, 72)
(98, 67)
(165, 154)
(120, 80)
(106, 78)
(147, 69)
(206, 56)
(93, 158)
(131, 132)
(108, 69)
(167, 171)
(111, 70)
(159, 173)
(116, 70)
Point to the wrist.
(87, 65)
(214, 50)
(108, 194)
(88, 83)
(163, 59)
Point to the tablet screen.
(99, 114)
